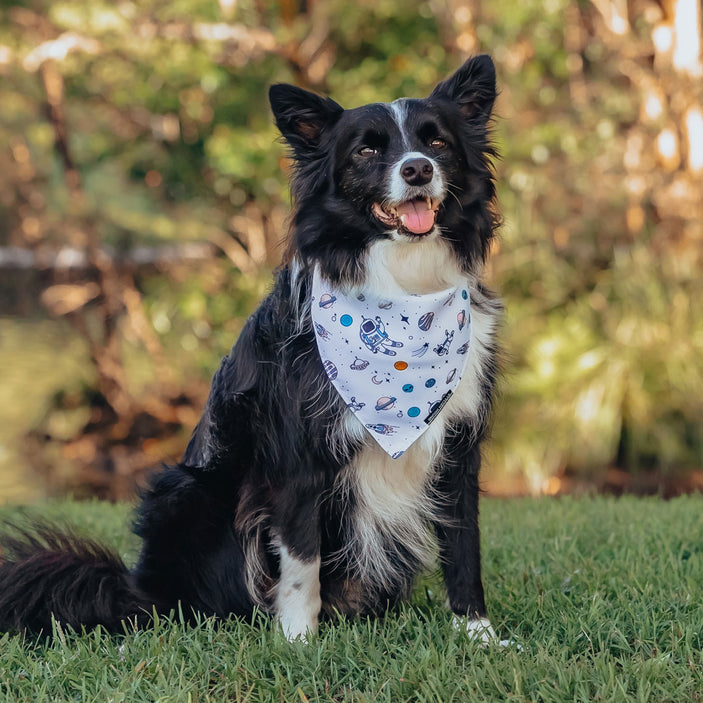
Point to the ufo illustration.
(425, 322)
(385, 403)
(327, 300)
(461, 319)
(358, 364)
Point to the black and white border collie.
(283, 501)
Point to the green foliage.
(604, 596)
(169, 129)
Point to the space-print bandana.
(394, 361)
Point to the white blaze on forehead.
(399, 111)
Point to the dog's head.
(408, 171)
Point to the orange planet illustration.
(401, 365)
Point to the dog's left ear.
(472, 88)
(302, 116)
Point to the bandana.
(394, 361)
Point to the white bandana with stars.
(394, 361)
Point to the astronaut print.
(395, 362)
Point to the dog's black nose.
(417, 172)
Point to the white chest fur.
(395, 497)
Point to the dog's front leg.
(459, 537)
(297, 541)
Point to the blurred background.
(143, 201)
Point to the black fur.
(263, 463)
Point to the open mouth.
(416, 216)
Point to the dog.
(288, 498)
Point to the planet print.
(461, 319)
(400, 365)
(464, 295)
(327, 300)
(408, 388)
(330, 370)
(385, 403)
(451, 375)
(414, 411)
(346, 320)
(429, 383)
(425, 322)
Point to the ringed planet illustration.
(385, 403)
(461, 319)
(327, 300)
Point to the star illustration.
(404, 319)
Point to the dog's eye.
(367, 151)
(438, 143)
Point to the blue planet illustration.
(330, 370)
(464, 295)
(327, 300)
(346, 320)
(408, 388)
(385, 403)
(429, 383)
(425, 322)
(414, 411)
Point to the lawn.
(604, 595)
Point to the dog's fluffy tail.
(45, 571)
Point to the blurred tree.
(141, 183)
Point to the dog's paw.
(481, 630)
(297, 627)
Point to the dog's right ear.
(301, 116)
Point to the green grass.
(604, 595)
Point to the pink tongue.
(416, 216)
